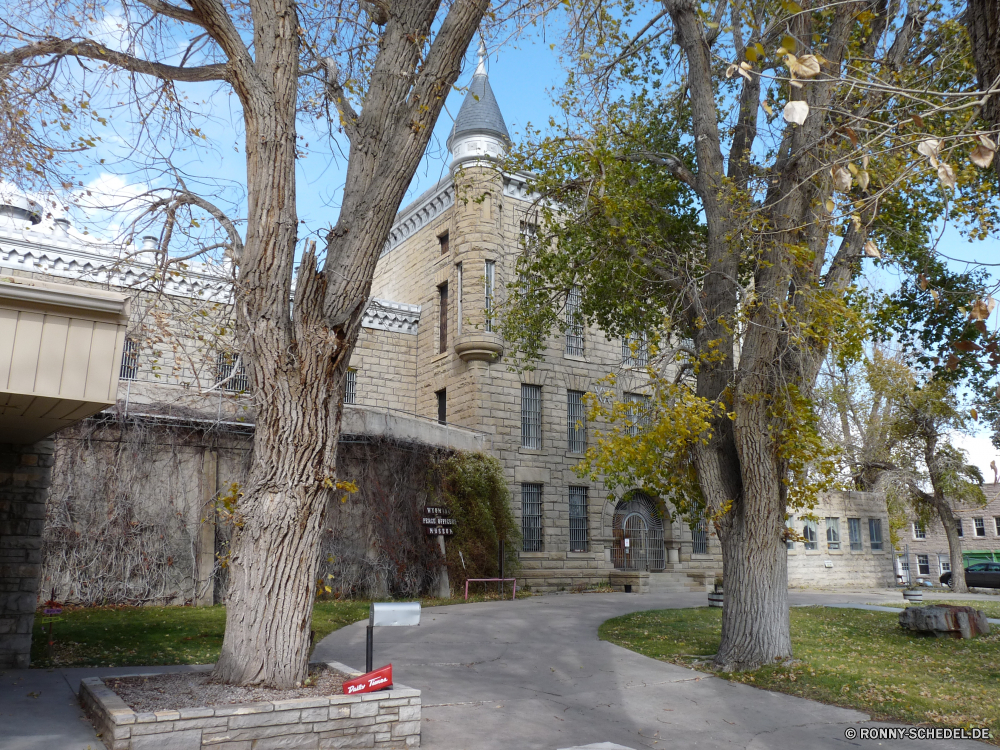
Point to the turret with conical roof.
(479, 132)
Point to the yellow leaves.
(930, 147)
(946, 175)
(754, 52)
(871, 251)
(806, 66)
(842, 180)
(742, 69)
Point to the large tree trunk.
(982, 20)
(958, 584)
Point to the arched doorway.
(638, 534)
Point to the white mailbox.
(390, 614)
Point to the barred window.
(531, 517)
(875, 533)
(130, 359)
(833, 533)
(531, 416)
(576, 422)
(854, 530)
(635, 350)
(491, 270)
(578, 519)
(574, 321)
(637, 412)
(699, 538)
(809, 533)
(231, 373)
(351, 387)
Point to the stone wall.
(25, 473)
(385, 720)
(831, 568)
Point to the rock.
(957, 622)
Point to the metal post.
(369, 647)
(501, 568)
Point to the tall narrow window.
(574, 321)
(875, 533)
(958, 526)
(351, 387)
(919, 532)
(130, 359)
(635, 350)
(443, 318)
(576, 422)
(980, 526)
(854, 530)
(529, 231)
(809, 533)
(531, 517)
(443, 241)
(578, 519)
(442, 401)
(923, 565)
(636, 412)
(944, 564)
(531, 416)
(996, 522)
(789, 533)
(833, 533)
(491, 269)
(231, 373)
(458, 299)
(699, 538)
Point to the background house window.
(789, 542)
(531, 517)
(576, 422)
(637, 412)
(919, 532)
(577, 519)
(443, 241)
(854, 531)
(130, 359)
(980, 526)
(231, 373)
(958, 526)
(443, 318)
(491, 270)
(809, 532)
(351, 387)
(442, 403)
(699, 538)
(531, 416)
(635, 350)
(833, 533)
(875, 533)
(529, 231)
(574, 321)
(996, 521)
(923, 565)
(944, 564)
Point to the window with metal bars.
(130, 359)
(699, 538)
(854, 532)
(637, 412)
(578, 519)
(351, 387)
(576, 422)
(443, 318)
(574, 321)
(635, 350)
(231, 373)
(531, 517)
(531, 416)
(442, 402)
(491, 270)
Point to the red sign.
(379, 679)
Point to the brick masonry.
(25, 475)
(386, 720)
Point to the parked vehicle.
(982, 575)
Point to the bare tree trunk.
(958, 584)
(982, 20)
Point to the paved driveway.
(532, 675)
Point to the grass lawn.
(851, 658)
(139, 636)
(990, 609)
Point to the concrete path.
(532, 675)
(519, 675)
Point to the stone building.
(923, 554)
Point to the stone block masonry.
(388, 719)
(25, 474)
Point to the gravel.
(166, 692)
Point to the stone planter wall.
(385, 719)
(638, 580)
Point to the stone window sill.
(531, 451)
(575, 357)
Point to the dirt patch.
(166, 692)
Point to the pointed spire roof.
(480, 112)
